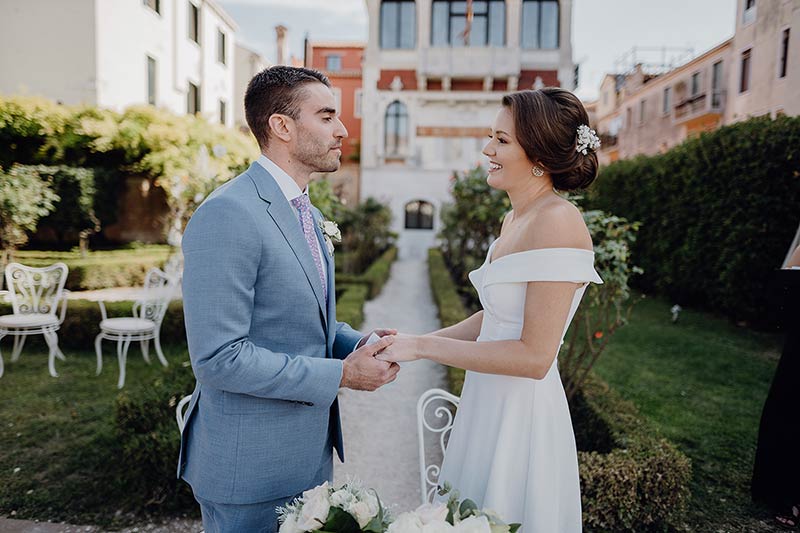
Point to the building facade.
(247, 63)
(755, 73)
(431, 91)
(175, 54)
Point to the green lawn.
(702, 382)
(57, 441)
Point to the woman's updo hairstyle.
(547, 123)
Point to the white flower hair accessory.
(587, 139)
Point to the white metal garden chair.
(143, 326)
(435, 414)
(35, 295)
(180, 414)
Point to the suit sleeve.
(346, 340)
(222, 251)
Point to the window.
(628, 117)
(695, 84)
(784, 62)
(749, 14)
(357, 99)
(193, 99)
(221, 48)
(419, 215)
(223, 112)
(396, 128)
(642, 108)
(449, 23)
(667, 100)
(716, 83)
(194, 23)
(151, 81)
(540, 24)
(398, 24)
(333, 63)
(744, 77)
(155, 5)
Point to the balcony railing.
(698, 105)
(469, 61)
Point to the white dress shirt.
(291, 190)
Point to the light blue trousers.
(256, 517)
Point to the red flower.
(598, 334)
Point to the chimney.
(282, 42)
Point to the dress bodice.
(501, 284)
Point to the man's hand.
(361, 371)
(379, 332)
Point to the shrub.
(376, 276)
(24, 199)
(350, 305)
(631, 479)
(149, 442)
(718, 213)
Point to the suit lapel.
(284, 216)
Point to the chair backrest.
(36, 290)
(180, 415)
(435, 414)
(160, 289)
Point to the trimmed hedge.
(100, 270)
(375, 276)
(631, 479)
(718, 214)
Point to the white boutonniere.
(330, 230)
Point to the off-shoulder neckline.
(492, 261)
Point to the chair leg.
(59, 353)
(98, 341)
(122, 356)
(1, 356)
(49, 338)
(145, 344)
(19, 342)
(157, 342)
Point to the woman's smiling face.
(509, 166)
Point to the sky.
(602, 31)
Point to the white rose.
(329, 244)
(316, 506)
(407, 522)
(289, 524)
(473, 524)
(342, 499)
(371, 500)
(361, 512)
(438, 526)
(330, 227)
(429, 512)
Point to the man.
(259, 301)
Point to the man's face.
(319, 132)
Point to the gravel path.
(380, 428)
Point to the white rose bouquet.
(353, 509)
(348, 509)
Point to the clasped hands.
(373, 365)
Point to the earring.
(537, 171)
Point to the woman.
(512, 448)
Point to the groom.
(259, 302)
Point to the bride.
(512, 448)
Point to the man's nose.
(341, 131)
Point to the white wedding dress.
(512, 449)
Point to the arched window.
(396, 128)
(449, 22)
(419, 215)
(398, 24)
(540, 24)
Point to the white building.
(176, 54)
(429, 98)
(247, 63)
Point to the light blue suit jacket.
(265, 349)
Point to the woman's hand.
(404, 348)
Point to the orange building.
(341, 62)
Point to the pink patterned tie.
(303, 205)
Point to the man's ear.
(281, 126)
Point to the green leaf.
(467, 508)
(340, 521)
(514, 527)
